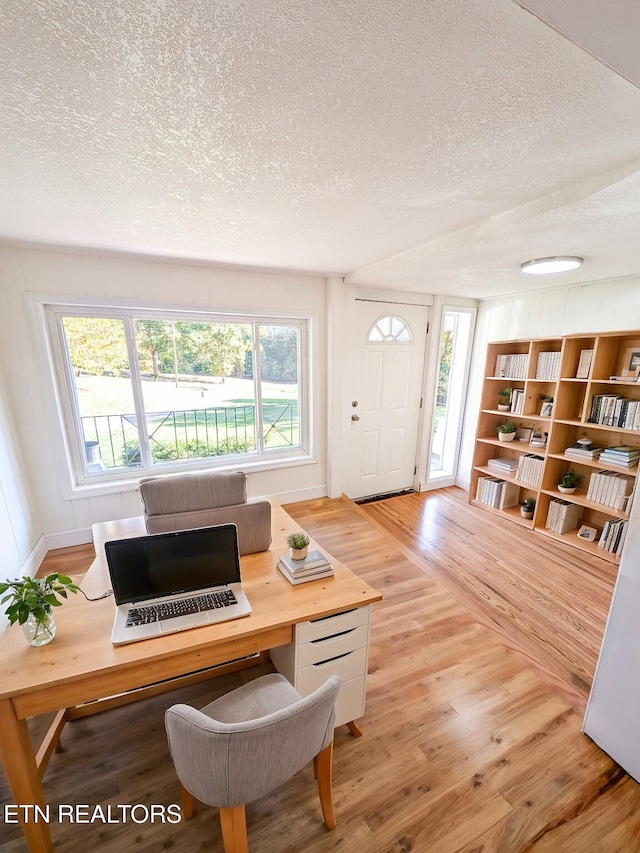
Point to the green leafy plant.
(35, 596)
(507, 426)
(528, 504)
(297, 541)
(570, 480)
(504, 396)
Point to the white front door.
(388, 346)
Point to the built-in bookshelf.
(563, 390)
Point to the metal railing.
(112, 441)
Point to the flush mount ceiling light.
(546, 266)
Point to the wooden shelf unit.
(572, 398)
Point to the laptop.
(169, 582)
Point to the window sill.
(115, 484)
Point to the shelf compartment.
(580, 497)
(571, 538)
(594, 463)
(571, 356)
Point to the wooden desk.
(81, 664)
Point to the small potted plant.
(298, 545)
(569, 482)
(506, 431)
(31, 600)
(504, 399)
(527, 507)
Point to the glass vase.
(39, 633)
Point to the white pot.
(566, 491)
(506, 436)
(525, 514)
(299, 553)
(504, 407)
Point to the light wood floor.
(466, 748)
(547, 600)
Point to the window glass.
(97, 354)
(389, 330)
(279, 371)
(192, 391)
(197, 388)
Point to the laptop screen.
(169, 563)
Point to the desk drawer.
(347, 666)
(329, 625)
(331, 647)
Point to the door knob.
(355, 418)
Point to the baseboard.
(296, 495)
(68, 538)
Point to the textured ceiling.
(410, 145)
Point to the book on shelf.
(504, 464)
(517, 401)
(563, 516)
(530, 469)
(304, 577)
(548, 367)
(613, 535)
(611, 488)
(622, 456)
(314, 559)
(497, 493)
(584, 364)
(579, 451)
(512, 366)
(615, 410)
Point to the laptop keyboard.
(180, 607)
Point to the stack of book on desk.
(314, 566)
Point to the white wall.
(600, 307)
(62, 514)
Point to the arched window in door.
(390, 330)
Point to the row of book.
(530, 469)
(513, 366)
(548, 367)
(563, 516)
(611, 489)
(613, 534)
(314, 566)
(497, 493)
(616, 411)
(517, 401)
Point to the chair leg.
(187, 802)
(323, 765)
(234, 830)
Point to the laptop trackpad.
(181, 623)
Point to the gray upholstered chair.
(184, 501)
(248, 742)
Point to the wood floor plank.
(468, 745)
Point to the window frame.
(68, 408)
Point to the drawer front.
(348, 666)
(350, 701)
(331, 647)
(318, 628)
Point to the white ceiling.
(428, 146)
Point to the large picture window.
(148, 390)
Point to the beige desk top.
(81, 664)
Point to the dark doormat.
(383, 497)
